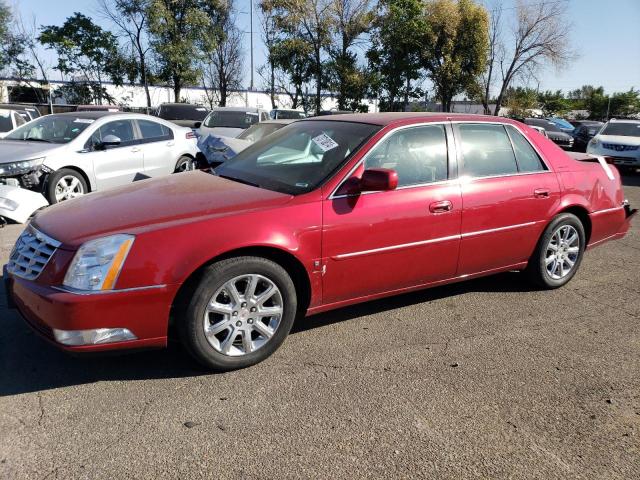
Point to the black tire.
(191, 320)
(184, 164)
(55, 177)
(537, 268)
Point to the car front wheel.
(239, 314)
(559, 252)
(65, 184)
(185, 164)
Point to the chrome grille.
(620, 148)
(31, 253)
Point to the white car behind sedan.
(619, 139)
(70, 154)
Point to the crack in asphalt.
(41, 406)
(599, 302)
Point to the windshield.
(182, 112)
(562, 123)
(298, 158)
(625, 129)
(289, 114)
(259, 130)
(5, 121)
(51, 128)
(231, 119)
(546, 124)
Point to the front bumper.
(144, 311)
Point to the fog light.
(93, 337)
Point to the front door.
(378, 242)
(117, 165)
(507, 193)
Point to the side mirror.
(378, 179)
(108, 141)
(197, 125)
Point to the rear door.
(158, 148)
(376, 242)
(508, 193)
(116, 165)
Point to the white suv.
(619, 139)
(69, 154)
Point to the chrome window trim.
(344, 256)
(379, 142)
(103, 292)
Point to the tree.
(294, 57)
(6, 18)
(85, 49)
(310, 22)
(454, 49)
(540, 37)
(553, 103)
(521, 101)
(269, 38)
(495, 50)
(351, 19)
(182, 31)
(222, 70)
(394, 55)
(131, 18)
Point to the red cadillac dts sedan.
(324, 213)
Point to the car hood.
(558, 135)
(15, 150)
(151, 204)
(619, 139)
(221, 131)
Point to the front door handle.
(170, 144)
(441, 207)
(135, 149)
(541, 193)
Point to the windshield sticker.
(83, 120)
(302, 185)
(325, 142)
(201, 109)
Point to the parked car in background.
(584, 131)
(283, 114)
(560, 138)
(98, 108)
(31, 111)
(333, 112)
(324, 213)
(562, 124)
(9, 120)
(220, 149)
(231, 121)
(183, 114)
(540, 130)
(619, 139)
(67, 155)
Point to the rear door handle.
(170, 144)
(541, 193)
(441, 207)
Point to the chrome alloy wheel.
(562, 252)
(68, 187)
(243, 315)
(186, 166)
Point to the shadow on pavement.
(630, 179)
(30, 364)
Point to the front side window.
(527, 158)
(298, 158)
(153, 131)
(417, 154)
(51, 129)
(486, 150)
(122, 129)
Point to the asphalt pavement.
(484, 379)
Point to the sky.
(606, 36)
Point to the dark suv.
(183, 114)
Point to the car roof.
(623, 120)
(238, 109)
(16, 106)
(279, 121)
(180, 104)
(92, 114)
(388, 118)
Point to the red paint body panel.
(353, 248)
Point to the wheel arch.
(79, 170)
(583, 215)
(285, 259)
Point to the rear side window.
(486, 150)
(527, 158)
(418, 155)
(153, 131)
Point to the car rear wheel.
(185, 164)
(239, 314)
(65, 184)
(559, 252)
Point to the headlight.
(18, 168)
(97, 264)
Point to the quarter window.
(486, 150)
(153, 131)
(418, 155)
(527, 158)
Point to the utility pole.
(251, 40)
(608, 107)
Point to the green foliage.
(87, 51)
(394, 55)
(455, 46)
(183, 31)
(553, 104)
(5, 34)
(521, 101)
